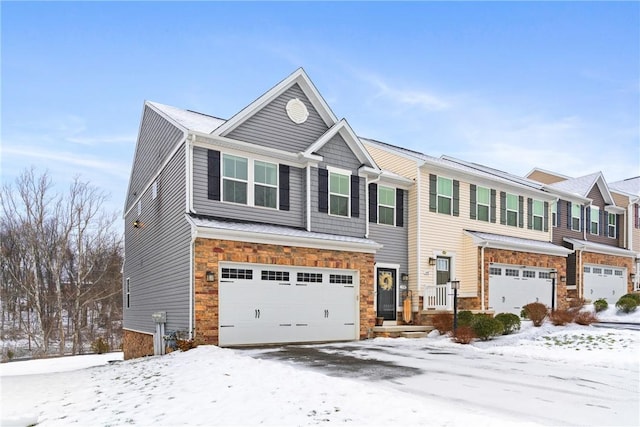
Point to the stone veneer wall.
(137, 344)
(209, 252)
(602, 259)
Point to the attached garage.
(604, 281)
(269, 304)
(513, 286)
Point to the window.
(235, 177)
(343, 279)
(575, 216)
(554, 214)
(339, 194)
(265, 176)
(612, 225)
(154, 190)
(512, 210)
(608, 272)
(386, 205)
(618, 273)
(594, 226)
(544, 275)
(597, 270)
(310, 277)
(483, 203)
(529, 274)
(237, 273)
(271, 275)
(587, 269)
(128, 293)
(445, 195)
(538, 215)
(495, 271)
(511, 272)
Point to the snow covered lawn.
(214, 386)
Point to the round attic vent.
(297, 111)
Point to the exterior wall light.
(432, 261)
(404, 277)
(137, 223)
(210, 276)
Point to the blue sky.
(509, 85)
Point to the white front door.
(513, 286)
(604, 281)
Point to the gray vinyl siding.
(394, 240)
(157, 254)
(156, 140)
(337, 153)
(330, 224)
(271, 126)
(294, 217)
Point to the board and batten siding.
(157, 139)
(294, 217)
(272, 127)
(157, 254)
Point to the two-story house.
(485, 228)
(626, 193)
(273, 226)
(589, 222)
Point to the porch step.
(414, 334)
(395, 331)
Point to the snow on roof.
(580, 186)
(629, 185)
(517, 243)
(190, 120)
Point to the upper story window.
(235, 179)
(483, 203)
(612, 225)
(154, 190)
(445, 195)
(339, 186)
(266, 184)
(594, 222)
(575, 216)
(512, 210)
(554, 214)
(386, 205)
(128, 293)
(538, 215)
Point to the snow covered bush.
(443, 322)
(510, 322)
(536, 312)
(600, 305)
(627, 303)
(486, 327)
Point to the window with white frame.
(594, 222)
(445, 195)
(538, 215)
(512, 210)
(575, 216)
(483, 203)
(154, 190)
(612, 225)
(554, 214)
(128, 293)
(386, 205)
(235, 177)
(339, 193)
(265, 177)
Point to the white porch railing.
(438, 297)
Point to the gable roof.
(187, 119)
(299, 77)
(582, 186)
(545, 176)
(500, 241)
(629, 186)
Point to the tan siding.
(392, 162)
(620, 199)
(545, 178)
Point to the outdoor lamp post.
(553, 275)
(455, 285)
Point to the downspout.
(484, 245)
(191, 284)
(189, 171)
(418, 233)
(580, 274)
(308, 197)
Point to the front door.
(443, 271)
(386, 305)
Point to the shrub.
(465, 318)
(562, 317)
(486, 327)
(600, 305)
(523, 314)
(627, 304)
(186, 345)
(576, 303)
(464, 335)
(510, 322)
(537, 312)
(585, 318)
(443, 322)
(636, 297)
(99, 346)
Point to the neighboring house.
(627, 194)
(488, 229)
(273, 226)
(588, 221)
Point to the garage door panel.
(604, 281)
(511, 287)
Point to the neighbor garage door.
(266, 304)
(604, 281)
(513, 286)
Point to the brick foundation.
(136, 344)
(210, 252)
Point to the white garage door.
(604, 281)
(511, 287)
(266, 304)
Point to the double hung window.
(339, 193)
(386, 205)
(538, 215)
(611, 225)
(483, 203)
(512, 210)
(594, 226)
(575, 216)
(445, 195)
(249, 182)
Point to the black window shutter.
(355, 196)
(637, 216)
(617, 226)
(493, 206)
(587, 219)
(521, 211)
(545, 218)
(373, 203)
(283, 178)
(529, 213)
(558, 211)
(472, 205)
(569, 215)
(433, 192)
(456, 198)
(503, 207)
(399, 207)
(323, 190)
(213, 175)
(582, 218)
(604, 229)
